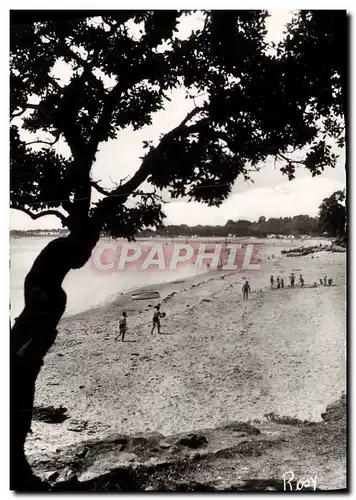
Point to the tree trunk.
(33, 334)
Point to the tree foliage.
(123, 67)
(332, 214)
(315, 53)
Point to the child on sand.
(122, 326)
(156, 319)
(246, 289)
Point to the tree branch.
(99, 188)
(153, 195)
(41, 214)
(38, 141)
(148, 163)
(23, 109)
(193, 97)
(189, 116)
(289, 160)
(104, 119)
(108, 108)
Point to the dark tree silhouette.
(315, 52)
(251, 110)
(332, 215)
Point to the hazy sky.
(271, 194)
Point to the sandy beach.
(219, 358)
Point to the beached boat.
(145, 295)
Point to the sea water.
(87, 287)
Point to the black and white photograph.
(178, 250)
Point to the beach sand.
(219, 358)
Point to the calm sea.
(89, 287)
(86, 287)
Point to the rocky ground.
(277, 455)
(301, 250)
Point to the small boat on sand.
(149, 295)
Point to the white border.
(4, 197)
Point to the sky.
(271, 194)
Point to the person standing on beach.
(282, 282)
(320, 281)
(122, 327)
(292, 279)
(156, 319)
(272, 281)
(278, 282)
(246, 289)
(325, 280)
(301, 280)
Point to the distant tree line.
(297, 225)
(331, 221)
(20, 233)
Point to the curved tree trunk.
(33, 334)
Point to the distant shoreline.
(123, 299)
(208, 239)
(126, 289)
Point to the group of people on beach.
(280, 281)
(325, 281)
(246, 289)
(156, 322)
